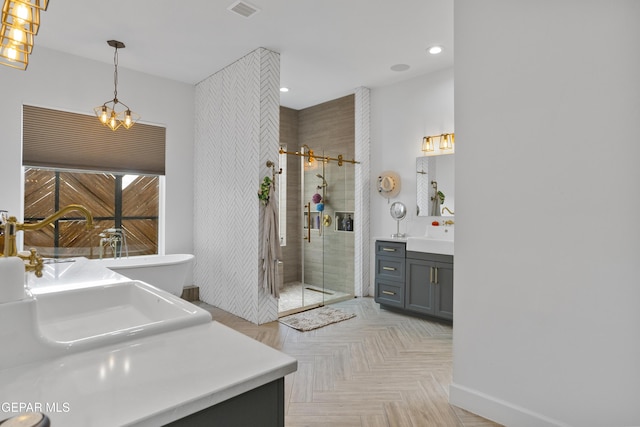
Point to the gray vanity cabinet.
(390, 273)
(416, 282)
(429, 284)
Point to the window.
(129, 203)
(70, 158)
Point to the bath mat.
(316, 318)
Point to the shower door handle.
(308, 238)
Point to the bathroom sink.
(430, 245)
(94, 316)
(439, 240)
(77, 317)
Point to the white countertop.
(391, 239)
(145, 382)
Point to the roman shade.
(63, 140)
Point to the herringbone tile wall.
(237, 116)
(362, 236)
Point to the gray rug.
(316, 318)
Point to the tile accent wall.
(237, 116)
(291, 252)
(338, 126)
(362, 192)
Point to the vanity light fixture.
(446, 145)
(20, 23)
(107, 112)
(427, 144)
(446, 141)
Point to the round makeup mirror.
(398, 211)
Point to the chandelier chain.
(115, 75)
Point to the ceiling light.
(434, 50)
(284, 89)
(107, 112)
(20, 23)
(400, 67)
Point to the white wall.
(65, 82)
(547, 109)
(401, 115)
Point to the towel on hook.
(271, 251)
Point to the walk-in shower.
(319, 265)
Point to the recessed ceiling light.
(400, 67)
(284, 89)
(434, 50)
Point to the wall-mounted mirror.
(434, 185)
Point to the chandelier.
(20, 24)
(107, 112)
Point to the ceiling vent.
(243, 9)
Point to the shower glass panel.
(325, 259)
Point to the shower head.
(324, 181)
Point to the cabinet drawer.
(392, 249)
(390, 268)
(389, 294)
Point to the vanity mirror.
(434, 185)
(398, 211)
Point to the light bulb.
(11, 53)
(127, 119)
(434, 50)
(113, 123)
(23, 12)
(18, 35)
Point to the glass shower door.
(325, 259)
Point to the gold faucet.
(33, 261)
(447, 209)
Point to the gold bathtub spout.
(12, 226)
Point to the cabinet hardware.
(388, 249)
(436, 269)
(389, 268)
(430, 274)
(388, 293)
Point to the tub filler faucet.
(115, 239)
(10, 226)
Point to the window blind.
(60, 139)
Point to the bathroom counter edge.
(145, 382)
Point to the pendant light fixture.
(107, 112)
(20, 24)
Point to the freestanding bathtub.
(167, 272)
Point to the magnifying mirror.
(398, 212)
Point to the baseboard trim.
(498, 410)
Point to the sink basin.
(430, 245)
(71, 313)
(438, 240)
(100, 315)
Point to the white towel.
(271, 251)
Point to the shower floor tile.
(291, 296)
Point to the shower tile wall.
(237, 116)
(363, 190)
(291, 252)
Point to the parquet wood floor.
(379, 369)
